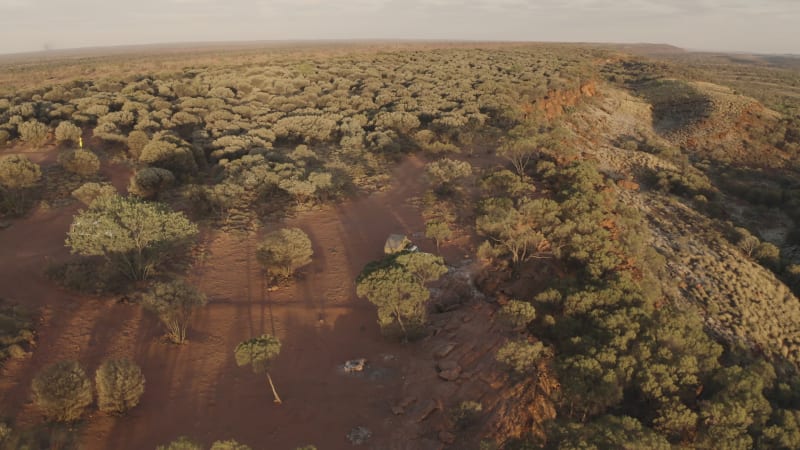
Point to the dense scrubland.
(630, 220)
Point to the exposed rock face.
(449, 370)
(555, 102)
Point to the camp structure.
(395, 243)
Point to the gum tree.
(257, 353)
(132, 235)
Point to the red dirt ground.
(196, 389)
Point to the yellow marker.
(80, 141)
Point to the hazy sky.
(744, 25)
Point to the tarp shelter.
(395, 243)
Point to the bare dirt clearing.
(196, 389)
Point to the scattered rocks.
(449, 370)
(444, 350)
(427, 410)
(359, 435)
(400, 408)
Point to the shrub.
(89, 192)
(62, 391)
(4, 137)
(438, 230)
(33, 132)
(466, 413)
(67, 131)
(17, 175)
(520, 356)
(81, 162)
(16, 332)
(120, 385)
(230, 444)
(174, 303)
(769, 255)
(182, 443)
(284, 251)
(169, 152)
(517, 313)
(137, 140)
(150, 181)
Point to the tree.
(438, 230)
(396, 285)
(517, 313)
(132, 235)
(425, 267)
(33, 132)
(257, 353)
(62, 391)
(17, 175)
(67, 131)
(520, 152)
(606, 432)
(521, 356)
(182, 443)
(174, 303)
(284, 251)
(445, 172)
(521, 231)
(81, 162)
(89, 192)
(120, 385)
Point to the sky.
(761, 26)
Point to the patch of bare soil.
(197, 390)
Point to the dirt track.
(196, 389)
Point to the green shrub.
(150, 181)
(137, 140)
(182, 443)
(62, 391)
(521, 356)
(33, 132)
(769, 255)
(174, 303)
(18, 174)
(89, 192)
(230, 444)
(517, 313)
(120, 385)
(67, 131)
(16, 332)
(284, 251)
(81, 162)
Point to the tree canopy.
(62, 391)
(284, 251)
(396, 285)
(258, 353)
(133, 235)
